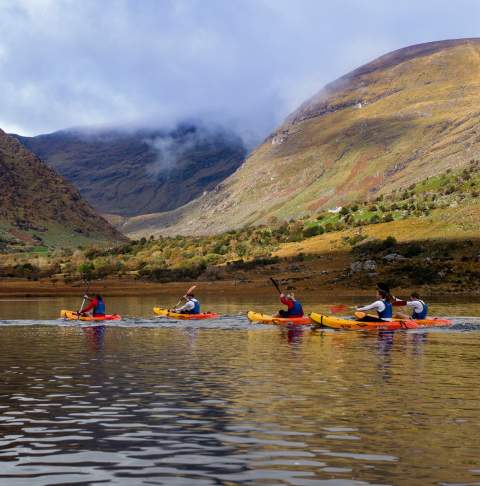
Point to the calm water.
(154, 402)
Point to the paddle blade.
(336, 309)
(409, 324)
(191, 289)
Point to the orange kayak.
(268, 319)
(351, 324)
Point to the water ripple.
(225, 402)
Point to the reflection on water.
(237, 404)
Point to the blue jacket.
(387, 312)
(296, 310)
(196, 308)
(99, 309)
(423, 314)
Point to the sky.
(243, 63)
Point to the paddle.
(336, 309)
(275, 284)
(339, 308)
(189, 291)
(84, 299)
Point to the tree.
(313, 231)
(86, 270)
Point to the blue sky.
(246, 63)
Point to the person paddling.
(382, 305)
(191, 306)
(420, 308)
(395, 301)
(294, 307)
(385, 287)
(96, 305)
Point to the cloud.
(245, 63)
(169, 150)
(188, 141)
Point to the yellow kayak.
(159, 311)
(351, 324)
(268, 319)
(73, 316)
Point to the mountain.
(141, 171)
(407, 115)
(37, 206)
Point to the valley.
(126, 171)
(375, 177)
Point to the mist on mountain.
(130, 170)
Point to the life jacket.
(423, 314)
(99, 309)
(296, 310)
(196, 308)
(387, 312)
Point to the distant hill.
(141, 171)
(406, 116)
(38, 207)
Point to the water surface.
(155, 402)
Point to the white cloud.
(68, 63)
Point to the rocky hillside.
(406, 116)
(38, 207)
(143, 171)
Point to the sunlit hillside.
(406, 116)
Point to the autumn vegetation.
(166, 259)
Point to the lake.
(160, 402)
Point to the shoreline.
(124, 287)
(129, 287)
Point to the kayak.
(73, 316)
(175, 315)
(351, 324)
(268, 319)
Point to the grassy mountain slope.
(142, 171)
(426, 235)
(38, 207)
(405, 116)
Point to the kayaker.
(96, 305)
(420, 308)
(384, 287)
(191, 306)
(382, 305)
(392, 299)
(294, 307)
